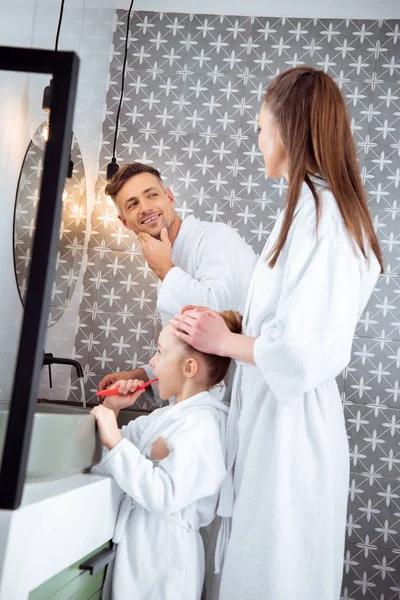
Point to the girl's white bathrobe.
(286, 421)
(160, 552)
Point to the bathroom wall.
(87, 28)
(341, 9)
(194, 85)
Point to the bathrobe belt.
(128, 504)
(226, 497)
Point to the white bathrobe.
(286, 421)
(213, 267)
(160, 552)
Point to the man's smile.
(150, 219)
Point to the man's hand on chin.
(158, 253)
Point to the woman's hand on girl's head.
(107, 426)
(194, 307)
(128, 394)
(202, 328)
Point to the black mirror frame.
(63, 67)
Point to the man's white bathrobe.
(213, 267)
(160, 553)
(286, 421)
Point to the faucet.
(49, 360)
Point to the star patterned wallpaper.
(193, 88)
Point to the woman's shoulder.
(330, 220)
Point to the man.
(197, 262)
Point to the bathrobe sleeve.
(133, 431)
(309, 341)
(224, 266)
(193, 470)
(135, 428)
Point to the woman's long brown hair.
(314, 125)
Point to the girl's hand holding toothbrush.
(129, 391)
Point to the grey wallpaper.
(194, 85)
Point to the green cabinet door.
(73, 583)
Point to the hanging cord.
(70, 164)
(47, 92)
(59, 24)
(123, 78)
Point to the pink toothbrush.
(114, 391)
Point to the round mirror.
(72, 228)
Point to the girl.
(170, 465)
(287, 495)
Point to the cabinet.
(74, 583)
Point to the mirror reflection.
(72, 227)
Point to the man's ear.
(123, 221)
(190, 367)
(170, 196)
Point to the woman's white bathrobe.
(291, 473)
(160, 552)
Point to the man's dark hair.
(125, 172)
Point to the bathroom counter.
(58, 523)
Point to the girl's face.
(168, 364)
(271, 145)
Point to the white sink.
(64, 442)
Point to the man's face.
(145, 206)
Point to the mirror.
(72, 228)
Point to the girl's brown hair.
(314, 125)
(217, 366)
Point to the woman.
(287, 494)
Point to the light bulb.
(109, 200)
(40, 132)
(39, 129)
